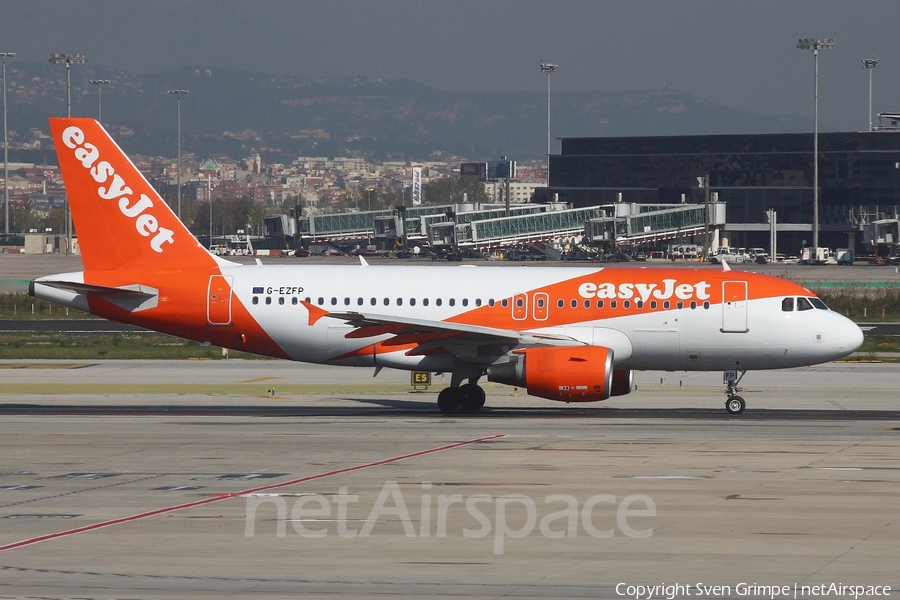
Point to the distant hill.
(241, 112)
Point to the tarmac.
(199, 479)
(16, 270)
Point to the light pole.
(815, 45)
(548, 70)
(3, 57)
(209, 199)
(869, 65)
(178, 94)
(99, 83)
(69, 60)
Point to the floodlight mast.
(99, 83)
(548, 70)
(3, 57)
(869, 65)
(178, 94)
(68, 60)
(815, 45)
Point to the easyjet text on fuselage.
(646, 291)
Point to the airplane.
(571, 334)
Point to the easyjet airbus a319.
(566, 334)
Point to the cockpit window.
(804, 304)
(787, 305)
(818, 304)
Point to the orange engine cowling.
(569, 374)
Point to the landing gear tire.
(473, 397)
(450, 400)
(465, 398)
(735, 405)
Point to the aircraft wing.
(457, 338)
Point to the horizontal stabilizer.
(133, 298)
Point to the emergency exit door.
(734, 307)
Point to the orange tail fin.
(118, 216)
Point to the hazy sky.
(741, 53)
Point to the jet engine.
(622, 382)
(567, 374)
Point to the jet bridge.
(487, 227)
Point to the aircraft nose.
(846, 335)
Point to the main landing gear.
(735, 405)
(465, 398)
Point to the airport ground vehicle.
(566, 334)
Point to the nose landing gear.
(735, 405)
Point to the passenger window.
(412, 301)
(281, 300)
(560, 303)
(255, 299)
(465, 302)
(491, 302)
(706, 304)
(680, 304)
(693, 304)
(452, 302)
(587, 303)
(519, 303)
(787, 305)
(573, 303)
(613, 303)
(653, 304)
(387, 301)
(373, 301)
(477, 301)
(504, 303)
(424, 301)
(599, 303)
(804, 304)
(321, 301)
(540, 303)
(334, 301)
(639, 304)
(438, 301)
(294, 300)
(626, 304)
(399, 301)
(268, 300)
(346, 301)
(359, 301)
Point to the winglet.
(362, 261)
(725, 266)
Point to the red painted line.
(220, 497)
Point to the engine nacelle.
(622, 382)
(568, 374)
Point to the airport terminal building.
(859, 179)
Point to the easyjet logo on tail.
(113, 187)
